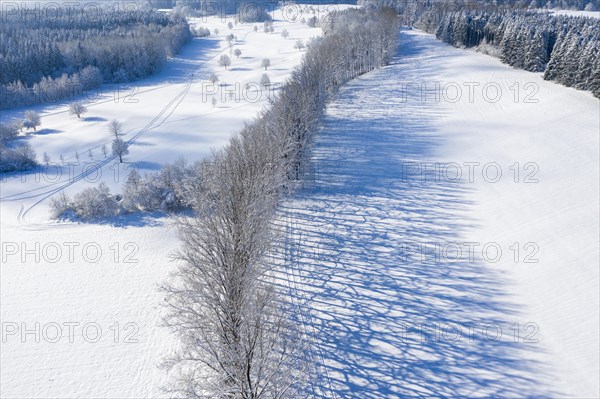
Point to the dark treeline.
(565, 48)
(496, 5)
(48, 56)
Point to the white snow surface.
(365, 299)
(377, 302)
(577, 13)
(88, 277)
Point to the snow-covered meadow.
(447, 238)
(450, 239)
(99, 284)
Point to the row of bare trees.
(237, 334)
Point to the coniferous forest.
(565, 48)
(522, 34)
(46, 57)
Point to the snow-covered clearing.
(398, 263)
(574, 13)
(98, 275)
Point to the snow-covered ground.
(376, 304)
(574, 13)
(168, 115)
(399, 263)
(103, 279)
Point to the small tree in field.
(255, 28)
(214, 102)
(266, 63)
(77, 108)
(46, 159)
(285, 34)
(213, 78)
(230, 25)
(265, 81)
(120, 148)
(216, 31)
(224, 61)
(116, 128)
(299, 45)
(32, 120)
(237, 52)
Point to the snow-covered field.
(90, 291)
(400, 261)
(80, 308)
(574, 13)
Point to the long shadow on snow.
(374, 306)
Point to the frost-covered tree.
(115, 128)
(133, 191)
(120, 148)
(57, 56)
(90, 77)
(265, 81)
(229, 25)
(224, 61)
(77, 108)
(266, 63)
(285, 33)
(213, 78)
(239, 343)
(21, 157)
(563, 47)
(299, 45)
(237, 52)
(8, 132)
(95, 202)
(32, 120)
(61, 206)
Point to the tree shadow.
(147, 165)
(389, 320)
(240, 69)
(94, 119)
(44, 132)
